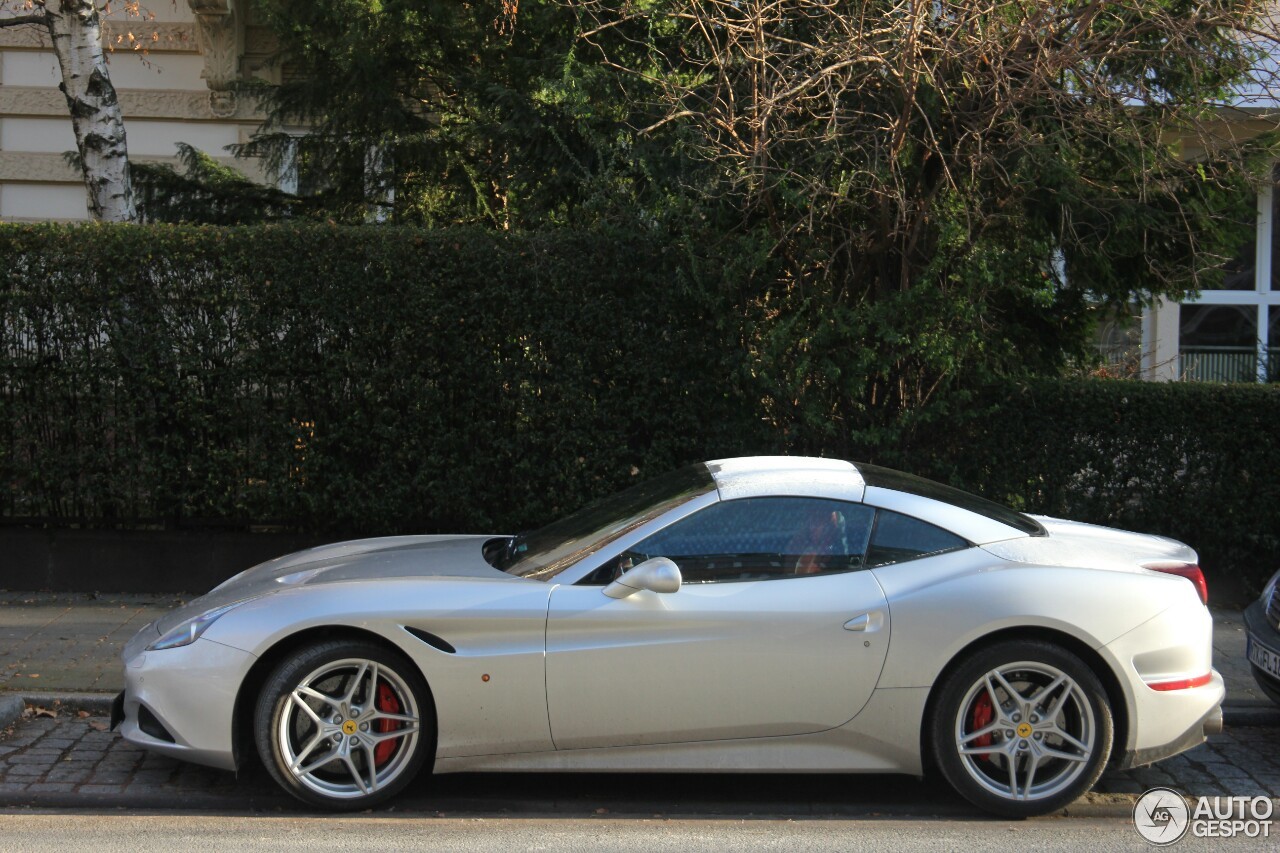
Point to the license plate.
(1264, 659)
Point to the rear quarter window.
(897, 538)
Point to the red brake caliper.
(981, 716)
(387, 703)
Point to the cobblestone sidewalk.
(74, 754)
(72, 760)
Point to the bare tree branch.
(19, 20)
(901, 137)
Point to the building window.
(1273, 348)
(1231, 333)
(1218, 343)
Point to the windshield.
(544, 553)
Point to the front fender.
(490, 692)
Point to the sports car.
(760, 614)
(1262, 639)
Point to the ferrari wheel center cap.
(1024, 730)
(349, 727)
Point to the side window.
(898, 538)
(761, 538)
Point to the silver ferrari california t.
(745, 615)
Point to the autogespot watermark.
(1163, 816)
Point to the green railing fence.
(1226, 364)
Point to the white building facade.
(179, 89)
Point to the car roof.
(755, 476)
(811, 476)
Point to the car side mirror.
(656, 575)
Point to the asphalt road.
(65, 832)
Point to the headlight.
(188, 632)
(1270, 589)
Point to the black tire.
(351, 689)
(1054, 759)
(1267, 684)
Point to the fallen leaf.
(82, 714)
(37, 711)
(98, 726)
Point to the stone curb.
(96, 703)
(1113, 806)
(11, 707)
(150, 801)
(1250, 716)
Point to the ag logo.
(1161, 816)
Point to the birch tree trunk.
(76, 31)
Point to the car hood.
(1076, 544)
(360, 560)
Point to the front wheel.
(1022, 728)
(345, 724)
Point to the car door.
(777, 630)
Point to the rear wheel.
(1022, 728)
(345, 724)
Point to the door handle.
(865, 622)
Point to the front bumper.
(181, 702)
(1261, 633)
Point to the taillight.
(1191, 573)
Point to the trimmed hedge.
(348, 380)
(1196, 462)
(352, 381)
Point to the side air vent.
(431, 640)
(150, 725)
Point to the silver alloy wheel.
(1025, 731)
(331, 730)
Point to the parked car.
(1262, 643)
(743, 615)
